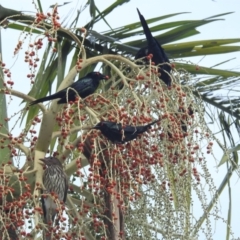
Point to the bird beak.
(106, 77)
(43, 160)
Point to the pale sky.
(198, 9)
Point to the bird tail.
(98, 126)
(142, 129)
(146, 29)
(150, 124)
(51, 97)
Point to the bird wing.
(69, 93)
(130, 133)
(115, 127)
(130, 129)
(85, 86)
(81, 83)
(62, 94)
(44, 207)
(111, 130)
(66, 188)
(49, 208)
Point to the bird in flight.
(158, 54)
(84, 86)
(119, 134)
(55, 181)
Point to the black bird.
(54, 181)
(154, 48)
(116, 133)
(85, 86)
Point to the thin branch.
(21, 95)
(157, 229)
(87, 233)
(17, 145)
(212, 203)
(71, 167)
(71, 131)
(85, 193)
(217, 105)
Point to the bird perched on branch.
(55, 182)
(85, 86)
(154, 48)
(117, 133)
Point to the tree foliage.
(140, 190)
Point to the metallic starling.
(119, 134)
(154, 48)
(84, 87)
(55, 181)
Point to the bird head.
(49, 161)
(97, 76)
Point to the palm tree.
(140, 190)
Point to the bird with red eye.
(84, 87)
(55, 183)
